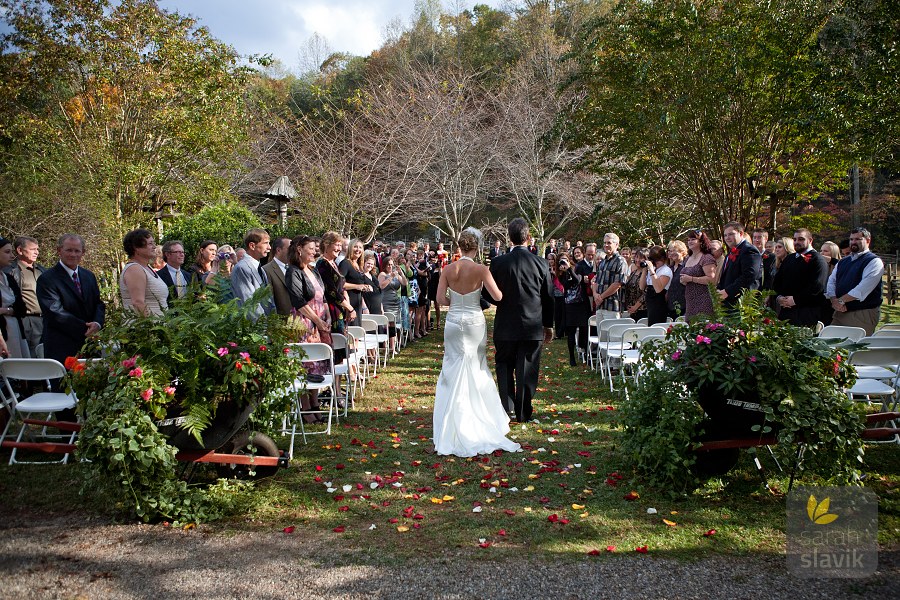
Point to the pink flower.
(136, 372)
(676, 355)
(170, 391)
(245, 355)
(147, 394)
(753, 359)
(222, 351)
(232, 344)
(703, 340)
(741, 333)
(129, 363)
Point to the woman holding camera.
(659, 276)
(203, 265)
(577, 309)
(559, 294)
(391, 280)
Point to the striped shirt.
(611, 269)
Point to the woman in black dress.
(676, 251)
(351, 269)
(659, 275)
(339, 308)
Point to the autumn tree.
(111, 111)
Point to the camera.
(564, 263)
(224, 255)
(643, 264)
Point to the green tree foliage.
(692, 99)
(225, 223)
(111, 110)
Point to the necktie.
(77, 282)
(262, 275)
(179, 284)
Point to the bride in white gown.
(468, 416)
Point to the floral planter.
(730, 415)
(229, 418)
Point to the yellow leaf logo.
(818, 511)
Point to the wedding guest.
(559, 294)
(141, 288)
(783, 248)
(406, 307)
(577, 306)
(717, 249)
(676, 252)
(372, 294)
(610, 278)
(248, 275)
(158, 261)
(698, 272)
(172, 273)
(275, 270)
(26, 271)
(760, 239)
(659, 276)
(306, 293)
(742, 268)
(831, 253)
(351, 269)
(70, 301)
(340, 310)
(550, 249)
(206, 254)
(218, 281)
(844, 247)
(854, 287)
(633, 290)
(12, 308)
(800, 283)
(391, 280)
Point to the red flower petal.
(610, 548)
(594, 553)
(631, 496)
(484, 545)
(501, 532)
(289, 529)
(510, 513)
(641, 549)
(318, 467)
(344, 508)
(339, 466)
(339, 529)
(553, 518)
(710, 533)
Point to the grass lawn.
(375, 487)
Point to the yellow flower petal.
(578, 507)
(669, 523)
(402, 528)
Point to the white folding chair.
(844, 333)
(356, 336)
(883, 341)
(895, 333)
(393, 323)
(309, 352)
(34, 369)
(643, 321)
(593, 341)
(603, 325)
(373, 340)
(342, 370)
(383, 324)
(890, 326)
(614, 346)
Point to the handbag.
(575, 294)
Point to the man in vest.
(854, 287)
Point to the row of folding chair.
(622, 348)
(878, 372)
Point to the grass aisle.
(377, 485)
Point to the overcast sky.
(282, 27)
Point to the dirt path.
(65, 557)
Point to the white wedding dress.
(468, 416)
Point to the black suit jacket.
(805, 280)
(66, 313)
(167, 279)
(18, 304)
(527, 306)
(743, 273)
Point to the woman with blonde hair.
(340, 310)
(355, 284)
(832, 254)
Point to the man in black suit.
(524, 320)
(742, 269)
(70, 301)
(496, 250)
(172, 273)
(800, 283)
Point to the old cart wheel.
(242, 443)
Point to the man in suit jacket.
(800, 283)
(70, 303)
(275, 271)
(524, 320)
(760, 239)
(742, 269)
(248, 275)
(172, 272)
(496, 250)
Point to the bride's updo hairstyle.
(467, 241)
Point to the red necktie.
(77, 282)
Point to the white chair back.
(884, 341)
(843, 332)
(881, 357)
(381, 320)
(887, 333)
(32, 369)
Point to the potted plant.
(188, 379)
(743, 373)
